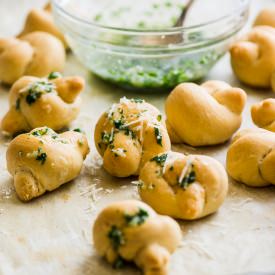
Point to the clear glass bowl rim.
(242, 7)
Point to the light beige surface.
(52, 235)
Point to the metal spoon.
(173, 38)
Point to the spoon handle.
(181, 19)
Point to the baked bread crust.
(204, 115)
(251, 157)
(36, 102)
(253, 57)
(263, 114)
(128, 135)
(35, 54)
(42, 160)
(42, 20)
(132, 231)
(183, 187)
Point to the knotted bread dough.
(36, 102)
(132, 231)
(42, 20)
(204, 115)
(35, 54)
(183, 187)
(42, 160)
(251, 157)
(263, 114)
(128, 134)
(253, 58)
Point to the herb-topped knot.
(129, 231)
(160, 159)
(132, 125)
(184, 185)
(54, 75)
(116, 234)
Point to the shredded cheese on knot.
(186, 168)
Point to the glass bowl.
(151, 57)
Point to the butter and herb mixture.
(187, 176)
(36, 89)
(116, 234)
(40, 155)
(131, 117)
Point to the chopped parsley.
(36, 90)
(107, 138)
(17, 104)
(44, 131)
(141, 24)
(159, 117)
(40, 132)
(129, 132)
(78, 130)
(168, 4)
(137, 219)
(158, 136)
(160, 159)
(54, 75)
(119, 263)
(188, 179)
(97, 17)
(116, 237)
(137, 100)
(118, 123)
(155, 6)
(80, 142)
(41, 156)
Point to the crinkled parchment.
(52, 234)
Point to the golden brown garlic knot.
(42, 160)
(35, 102)
(128, 135)
(132, 231)
(42, 20)
(253, 58)
(35, 54)
(204, 115)
(183, 187)
(251, 157)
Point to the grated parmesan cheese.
(200, 248)
(119, 151)
(185, 168)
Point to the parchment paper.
(52, 234)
